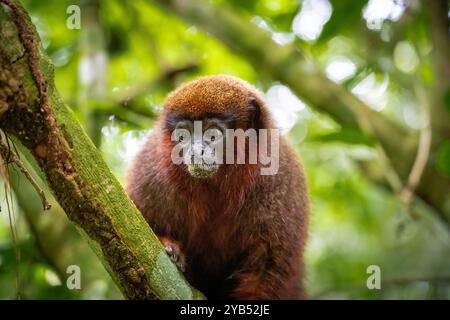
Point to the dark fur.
(243, 234)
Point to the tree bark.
(57, 239)
(32, 111)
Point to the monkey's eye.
(213, 134)
(181, 135)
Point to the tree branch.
(57, 239)
(81, 181)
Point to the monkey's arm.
(269, 272)
(273, 264)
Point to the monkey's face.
(199, 145)
(199, 116)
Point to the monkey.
(237, 234)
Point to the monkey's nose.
(197, 149)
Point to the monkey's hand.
(173, 249)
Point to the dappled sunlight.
(377, 11)
(281, 38)
(373, 92)
(121, 147)
(285, 106)
(309, 22)
(340, 69)
(405, 57)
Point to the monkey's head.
(197, 116)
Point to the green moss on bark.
(74, 169)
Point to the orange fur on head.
(215, 94)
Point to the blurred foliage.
(355, 223)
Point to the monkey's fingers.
(173, 249)
(176, 256)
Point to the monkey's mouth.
(203, 170)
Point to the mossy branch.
(57, 239)
(32, 111)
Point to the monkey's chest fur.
(233, 232)
(210, 228)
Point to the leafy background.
(116, 70)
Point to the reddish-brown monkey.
(243, 234)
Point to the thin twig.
(423, 151)
(362, 116)
(11, 157)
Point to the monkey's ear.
(254, 113)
